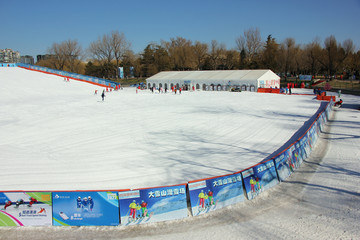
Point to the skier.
(103, 95)
(91, 203)
(179, 90)
(95, 92)
(338, 103)
(144, 209)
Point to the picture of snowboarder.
(32, 201)
(42, 210)
(144, 210)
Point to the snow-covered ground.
(58, 135)
(52, 128)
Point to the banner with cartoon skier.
(259, 178)
(153, 204)
(85, 209)
(215, 193)
(25, 209)
(285, 165)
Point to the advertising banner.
(215, 193)
(284, 164)
(25, 209)
(153, 204)
(305, 77)
(85, 209)
(259, 178)
(121, 72)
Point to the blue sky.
(31, 27)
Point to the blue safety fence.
(139, 206)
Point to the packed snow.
(52, 128)
(58, 135)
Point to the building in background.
(43, 57)
(9, 56)
(27, 59)
(218, 80)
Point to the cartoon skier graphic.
(258, 186)
(252, 185)
(144, 210)
(211, 198)
(132, 215)
(202, 200)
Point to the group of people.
(85, 204)
(138, 210)
(205, 199)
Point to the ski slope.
(57, 135)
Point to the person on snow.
(338, 103)
(103, 95)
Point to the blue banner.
(259, 178)
(305, 77)
(121, 72)
(214, 193)
(85, 209)
(153, 204)
(25, 209)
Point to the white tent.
(247, 80)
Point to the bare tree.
(119, 46)
(66, 55)
(217, 53)
(200, 53)
(249, 45)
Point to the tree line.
(111, 51)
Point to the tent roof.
(218, 75)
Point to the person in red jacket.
(144, 210)
(211, 199)
(32, 201)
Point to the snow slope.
(57, 135)
(321, 200)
